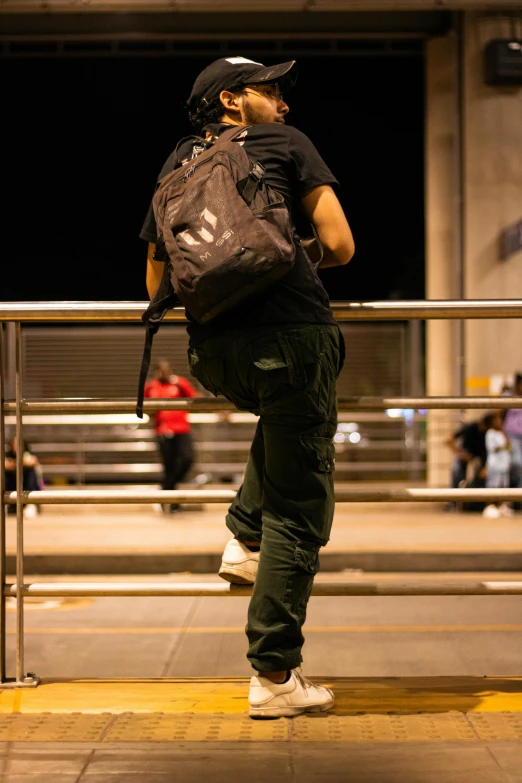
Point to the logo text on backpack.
(211, 220)
(203, 232)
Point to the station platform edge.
(390, 710)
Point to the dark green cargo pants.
(286, 501)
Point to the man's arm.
(154, 271)
(323, 209)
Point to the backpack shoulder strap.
(231, 134)
(193, 139)
(247, 187)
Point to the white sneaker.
(30, 511)
(270, 700)
(239, 564)
(492, 512)
(506, 510)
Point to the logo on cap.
(241, 61)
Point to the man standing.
(513, 429)
(172, 428)
(278, 356)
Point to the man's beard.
(252, 117)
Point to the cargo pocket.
(296, 370)
(318, 454)
(300, 579)
(209, 371)
(317, 489)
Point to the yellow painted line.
(211, 695)
(238, 629)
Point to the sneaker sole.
(288, 712)
(236, 576)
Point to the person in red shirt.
(172, 428)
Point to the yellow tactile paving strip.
(423, 709)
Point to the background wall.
(473, 192)
(492, 201)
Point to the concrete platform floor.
(429, 690)
(370, 536)
(376, 636)
(255, 762)
(417, 730)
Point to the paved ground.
(256, 762)
(429, 688)
(418, 730)
(377, 636)
(368, 536)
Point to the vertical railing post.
(19, 435)
(2, 512)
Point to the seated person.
(32, 479)
(468, 443)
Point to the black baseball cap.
(231, 73)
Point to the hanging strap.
(164, 299)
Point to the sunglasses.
(265, 89)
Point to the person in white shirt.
(497, 463)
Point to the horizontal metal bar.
(219, 37)
(351, 495)
(121, 49)
(155, 469)
(343, 311)
(136, 448)
(224, 590)
(205, 405)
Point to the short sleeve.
(308, 168)
(149, 230)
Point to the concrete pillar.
(493, 200)
(470, 232)
(442, 242)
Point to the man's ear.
(231, 101)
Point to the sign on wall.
(511, 240)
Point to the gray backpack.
(223, 234)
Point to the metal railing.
(131, 311)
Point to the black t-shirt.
(473, 440)
(292, 167)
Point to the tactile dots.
(497, 725)
(238, 727)
(73, 727)
(383, 728)
(216, 727)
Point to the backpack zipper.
(190, 171)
